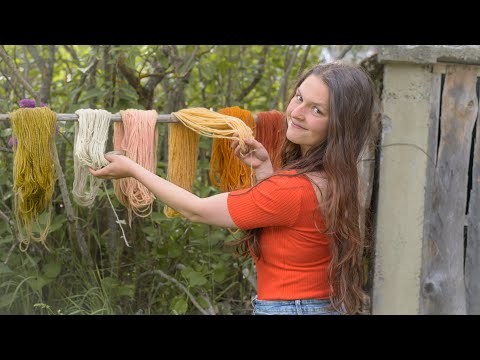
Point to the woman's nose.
(297, 112)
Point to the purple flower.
(56, 130)
(12, 141)
(44, 105)
(27, 103)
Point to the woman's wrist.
(264, 171)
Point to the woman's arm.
(212, 210)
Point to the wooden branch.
(159, 75)
(155, 80)
(14, 88)
(47, 75)
(344, 52)
(5, 217)
(304, 61)
(73, 53)
(258, 74)
(289, 62)
(130, 75)
(11, 224)
(36, 56)
(83, 78)
(69, 209)
(182, 287)
(13, 68)
(188, 63)
(4, 149)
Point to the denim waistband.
(293, 307)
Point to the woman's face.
(307, 114)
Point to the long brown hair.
(351, 104)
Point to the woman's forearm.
(170, 194)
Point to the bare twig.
(13, 68)
(210, 309)
(304, 61)
(69, 209)
(85, 73)
(73, 53)
(4, 149)
(36, 56)
(344, 52)
(258, 75)
(14, 234)
(289, 62)
(181, 286)
(2, 215)
(47, 74)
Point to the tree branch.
(258, 75)
(344, 52)
(47, 75)
(73, 53)
(289, 62)
(13, 68)
(84, 76)
(69, 209)
(130, 75)
(36, 56)
(14, 234)
(181, 286)
(304, 61)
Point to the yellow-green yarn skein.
(33, 170)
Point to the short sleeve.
(275, 201)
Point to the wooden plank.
(472, 253)
(442, 68)
(428, 246)
(443, 283)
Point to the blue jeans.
(293, 307)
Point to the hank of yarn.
(213, 124)
(91, 135)
(227, 172)
(270, 131)
(182, 159)
(137, 136)
(33, 169)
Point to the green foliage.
(171, 260)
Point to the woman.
(301, 222)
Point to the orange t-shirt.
(294, 256)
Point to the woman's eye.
(299, 97)
(317, 111)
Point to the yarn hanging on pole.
(33, 170)
(91, 135)
(227, 172)
(137, 137)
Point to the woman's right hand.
(255, 156)
(120, 167)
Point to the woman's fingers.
(100, 173)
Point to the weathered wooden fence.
(427, 236)
(450, 280)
